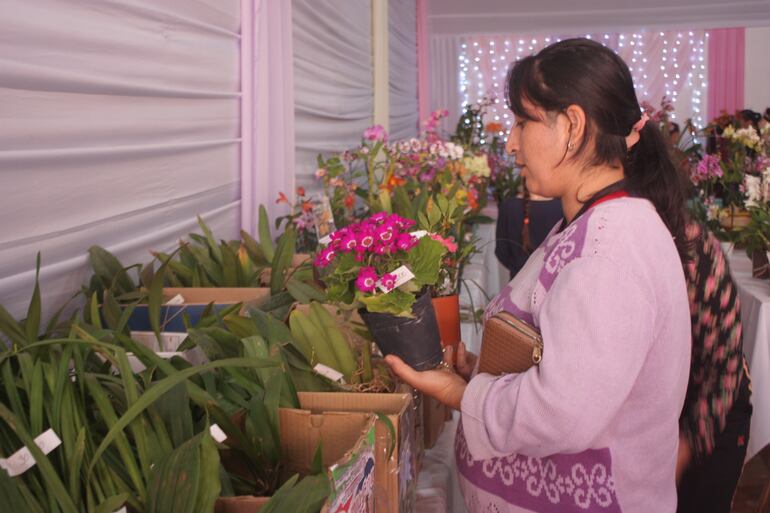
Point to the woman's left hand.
(446, 386)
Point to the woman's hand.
(444, 385)
(683, 457)
(466, 361)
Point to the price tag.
(403, 275)
(22, 460)
(330, 373)
(217, 434)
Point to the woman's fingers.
(447, 387)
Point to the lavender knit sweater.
(595, 426)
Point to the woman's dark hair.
(751, 116)
(585, 73)
(766, 115)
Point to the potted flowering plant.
(301, 218)
(380, 267)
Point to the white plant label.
(217, 434)
(176, 300)
(330, 373)
(22, 460)
(403, 275)
(419, 234)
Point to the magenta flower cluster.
(376, 238)
(707, 168)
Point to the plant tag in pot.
(402, 275)
(330, 373)
(22, 460)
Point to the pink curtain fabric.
(267, 110)
(727, 51)
(423, 66)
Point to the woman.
(594, 427)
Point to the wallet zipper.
(537, 351)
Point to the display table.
(437, 488)
(755, 315)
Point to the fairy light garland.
(676, 68)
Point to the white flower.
(416, 144)
(320, 172)
(753, 190)
(404, 146)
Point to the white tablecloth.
(755, 315)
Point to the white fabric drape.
(404, 108)
(444, 84)
(332, 79)
(669, 63)
(270, 117)
(118, 124)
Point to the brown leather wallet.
(509, 345)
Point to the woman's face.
(540, 146)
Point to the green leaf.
(425, 261)
(396, 302)
(265, 239)
(154, 303)
(212, 243)
(304, 292)
(32, 323)
(110, 270)
(282, 260)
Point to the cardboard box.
(348, 441)
(419, 422)
(395, 477)
(196, 300)
(434, 417)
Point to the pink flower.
(388, 281)
(384, 232)
(380, 249)
(367, 278)
(405, 241)
(376, 133)
(348, 243)
(320, 172)
(364, 240)
(325, 257)
(448, 243)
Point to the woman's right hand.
(466, 362)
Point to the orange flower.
(307, 206)
(493, 127)
(282, 198)
(300, 191)
(349, 201)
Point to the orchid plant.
(379, 265)
(301, 218)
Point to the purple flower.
(388, 281)
(376, 133)
(367, 279)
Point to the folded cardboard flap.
(395, 477)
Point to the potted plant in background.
(380, 268)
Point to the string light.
(677, 69)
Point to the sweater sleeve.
(597, 327)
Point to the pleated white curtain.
(402, 63)
(119, 122)
(444, 82)
(333, 83)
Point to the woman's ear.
(577, 124)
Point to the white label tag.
(330, 373)
(403, 275)
(176, 300)
(419, 234)
(138, 366)
(22, 460)
(217, 434)
(121, 510)
(325, 240)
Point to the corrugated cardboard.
(395, 477)
(419, 422)
(348, 442)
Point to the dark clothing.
(543, 216)
(717, 410)
(709, 482)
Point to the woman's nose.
(512, 144)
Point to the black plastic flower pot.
(415, 339)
